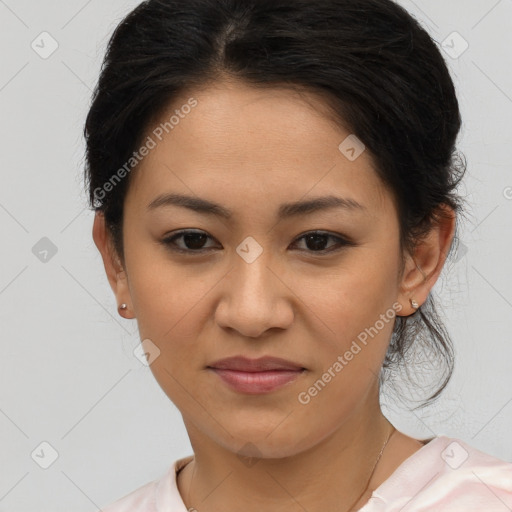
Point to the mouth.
(262, 364)
(256, 376)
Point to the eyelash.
(341, 242)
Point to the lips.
(263, 364)
(256, 376)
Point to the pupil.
(195, 243)
(315, 238)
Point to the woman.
(274, 185)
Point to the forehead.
(244, 144)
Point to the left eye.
(314, 240)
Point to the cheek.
(360, 327)
(165, 295)
(350, 357)
(353, 297)
(169, 306)
(357, 308)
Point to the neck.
(329, 476)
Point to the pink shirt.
(445, 475)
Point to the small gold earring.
(414, 304)
(123, 307)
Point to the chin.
(260, 445)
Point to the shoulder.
(446, 475)
(471, 477)
(142, 499)
(156, 496)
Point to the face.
(318, 287)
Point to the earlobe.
(413, 289)
(423, 267)
(116, 274)
(123, 311)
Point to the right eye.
(193, 241)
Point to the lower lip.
(257, 382)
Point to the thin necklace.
(393, 430)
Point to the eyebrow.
(285, 211)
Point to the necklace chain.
(393, 430)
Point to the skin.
(250, 150)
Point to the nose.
(255, 298)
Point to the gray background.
(68, 376)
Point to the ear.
(115, 272)
(423, 267)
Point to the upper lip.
(261, 364)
